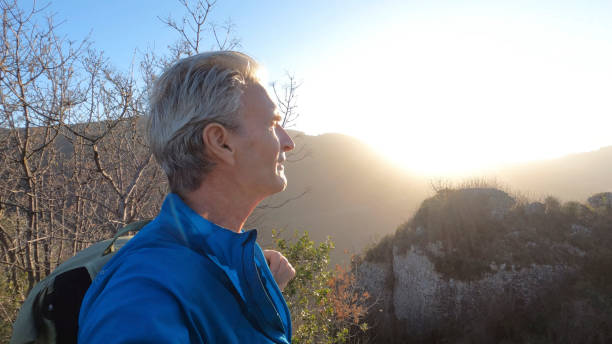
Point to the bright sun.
(444, 101)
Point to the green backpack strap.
(35, 322)
(132, 227)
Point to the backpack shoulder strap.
(35, 322)
(132, 227)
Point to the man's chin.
(282, 181)
(283, 184)
(279, 185)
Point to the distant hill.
(572, 177)
(353, 195)
(356, 196)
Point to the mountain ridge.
(357, 196)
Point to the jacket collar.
(234, 253)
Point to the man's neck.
(221, 203)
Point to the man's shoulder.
(141, 295)
(152, 269)
(158, 253)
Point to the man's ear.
(218, 145)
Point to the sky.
(439, 87)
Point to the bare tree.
(37, 84)
(193, 26)
(286, 99)
(74, 165)
(118, 157)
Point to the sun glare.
(455, 98)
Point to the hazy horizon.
(473, 173)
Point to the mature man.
(192, 275)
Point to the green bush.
(324, 306)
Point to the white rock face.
(376, 279)
(416, 290)
(422, 298)
(372, 277)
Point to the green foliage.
(313, 297)
(12, 294)
(13, 282)
(307, 293)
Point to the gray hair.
(194, 92)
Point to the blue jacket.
(183, 279)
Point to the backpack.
(50, 313)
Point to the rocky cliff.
(477, 265)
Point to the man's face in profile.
(262, 143)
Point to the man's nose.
(286, 142)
